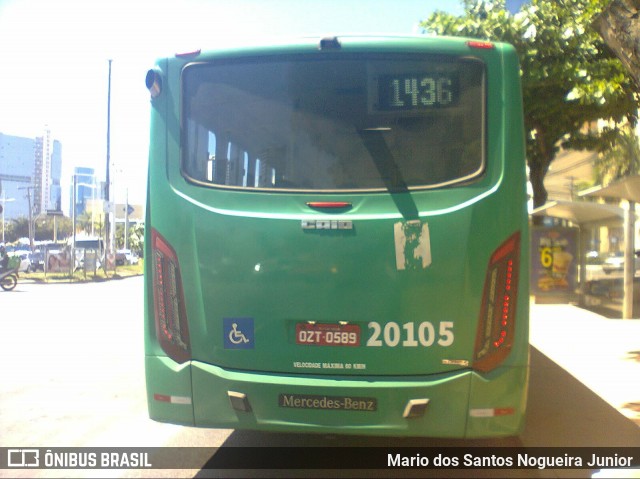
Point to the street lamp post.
(29, 188)
(93, 206)
(74, 202)
(108, 226)
(126, 220)
(75, 212)
(120, 173)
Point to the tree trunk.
(536, 176)
(539, 159)
(619, 26)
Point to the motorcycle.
(9, 279)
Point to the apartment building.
(30, 171)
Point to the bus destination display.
(418, 91)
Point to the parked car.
(36, 261)
(614, 262)
(125, 256)
(593, 258)
(28, 262)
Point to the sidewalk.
(602, 353)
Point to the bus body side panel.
(493, 395)
(168, 383)
(174, 404)
(503, 386)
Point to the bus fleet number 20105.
(393, 334)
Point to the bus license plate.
(328, 334)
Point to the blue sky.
(54, 62)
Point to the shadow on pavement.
(562, 413)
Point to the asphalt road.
(72, 375)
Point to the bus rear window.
(334, 124)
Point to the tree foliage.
(622, 159)
(43, 228)
(135, 239)
(570, 79)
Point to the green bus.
(337, 238)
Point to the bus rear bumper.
(458, 404)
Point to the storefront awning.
(581, 212)
(625, 189)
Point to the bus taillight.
(172, 329)
(496, 325)
(481, 45)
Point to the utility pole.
(629, 259)
(73, 212)
(108, 224)
(31, 225)
(126, 220)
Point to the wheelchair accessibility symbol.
(238, 333)
(235, 336)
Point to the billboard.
(554, 260)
